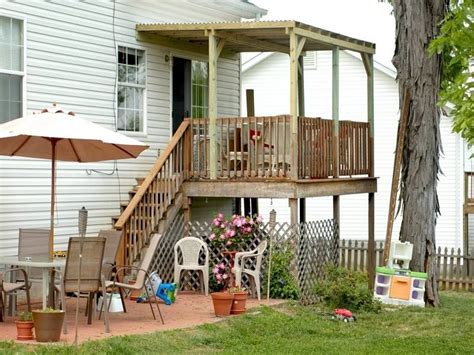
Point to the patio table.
(41, 263)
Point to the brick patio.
(189, 310)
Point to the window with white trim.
(12, 48)
(131, 89)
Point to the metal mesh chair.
(91, 278)
(142, 275)
(12, 288)
(33, 243)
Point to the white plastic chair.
(190, 248)
(239, 265)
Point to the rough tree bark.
(417, 23)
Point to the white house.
(85, 56)
(268, 74)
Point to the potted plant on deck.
(48, 324)
(24, 326)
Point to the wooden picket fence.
(455, 270)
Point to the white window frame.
(192, 104)
(22, 73)
(145, 91)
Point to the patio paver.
(189, 310)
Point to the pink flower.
(212, 236)
(228, 243)
(237, 222)
(219, 277)
(216, 222)
(221, 266)
(251, 222)
(222, 236)
(225, 276)
(215, 270)
(220, 216)
(259, 219)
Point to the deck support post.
(296, 47)
(293, 203)
(335, 134)
(368, 61)
(187, 201)
(214, 49)
(301, 113)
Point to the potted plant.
(48, 324)
(240, 299)
(24, 326)
(222, 301)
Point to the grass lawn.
(294, 329)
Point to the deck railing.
(261, 147)
(155, 194)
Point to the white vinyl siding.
(72, 61)
(270, 80)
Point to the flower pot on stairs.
(222, 302)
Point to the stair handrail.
(152, 174)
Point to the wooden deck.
(260, 148)
(282, 188)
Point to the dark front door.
(181, 91)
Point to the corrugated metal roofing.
(251, 36)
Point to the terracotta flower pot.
(238, 305)
(48, 325)
(24, 330)
(222, 303)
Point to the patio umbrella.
(59, 135)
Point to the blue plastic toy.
(166, 292)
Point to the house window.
(200, 89)
(11, 68)
(131, 89)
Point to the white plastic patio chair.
(239, 265)
(190, 248)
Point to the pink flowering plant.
(220, 276)
(233, 234)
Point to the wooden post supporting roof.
(335, 135)
(214, 50)
(368, 61)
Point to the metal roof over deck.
(253, 36)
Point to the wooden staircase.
(157, 198)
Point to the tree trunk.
(418, 23)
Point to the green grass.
(294, 329)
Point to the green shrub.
(343, 288)
(282, 283)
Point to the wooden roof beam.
(258, 44)
(334, 41)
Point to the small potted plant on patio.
(221, 300)
(240, 299)
(24, 326)
(48, 324)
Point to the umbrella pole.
(51, 225)
(53, 196)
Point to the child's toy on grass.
(343, 314)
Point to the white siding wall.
(270, 80)
(71, 60)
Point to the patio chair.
(112, 245)
(240, 266)
(190, 249)
(12, 288)
(91, 278)
(33, 243)
(142, 276)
